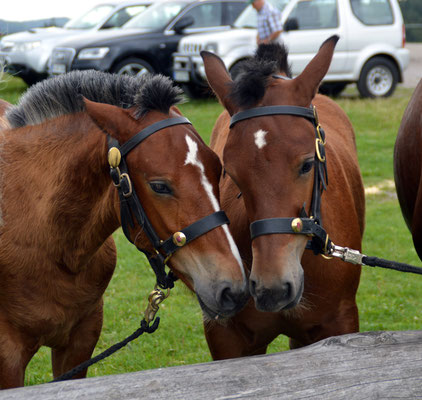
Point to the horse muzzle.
(224, 301)
(284, 294)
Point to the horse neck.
(65, 169)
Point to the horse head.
(175, 176)
(272, 158)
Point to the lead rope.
(155, 298)
(355, 257)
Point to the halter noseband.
(304, 225)
(130, 206)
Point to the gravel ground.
(413, 73)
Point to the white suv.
(371, 50)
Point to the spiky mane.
(251, 79)
(62, 95)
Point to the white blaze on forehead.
(192, 158)
(260, 138)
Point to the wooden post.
(368, 365)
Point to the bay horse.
(408, 167)
(60, 208)
(272, 147)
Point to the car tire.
(32, 79)
(378, 78)
(196, 91)
(332, 89)
(133, 66)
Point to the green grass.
(387, 300)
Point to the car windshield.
(248, 17)
(90, 19)
(157, 16)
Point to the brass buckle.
(326, 250)
(324, 142)
(129, 193)
(317, 142)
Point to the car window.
(232, 11)
(315, 14)
(91, 18)
(157, 16)
(373, 12)
(205, 15)
(122, 16)
(248, 17)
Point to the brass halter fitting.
(114, 157)
(155, 298)
(179, 239)
(297, 225)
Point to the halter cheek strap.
(131, 208)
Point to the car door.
(308, 25)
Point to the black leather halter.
(131, 208)
(312, 225)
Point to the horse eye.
(160, 187)
(306, 167)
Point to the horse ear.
(308, 81)
(218, 79)
(109, 118)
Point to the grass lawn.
(387, 300)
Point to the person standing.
(269, 21)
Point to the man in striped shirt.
(269, 21)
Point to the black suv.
(146, 42)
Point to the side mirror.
(291, 25)
(183, 23)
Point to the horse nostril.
(252, 287)
(227, 299)
(286, 290)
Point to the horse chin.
(266, 305)
(209, 314)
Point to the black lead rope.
(397, 266)
(81, 367)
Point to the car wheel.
(332, 88)
(196, 92)
(378, 78)
(32, 79)
(133, 66)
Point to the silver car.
(26, 54)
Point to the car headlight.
(6, 45)
(93, 53)
(212, 47)
(28, 46)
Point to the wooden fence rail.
(368, 365)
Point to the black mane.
(62, 95)
(252, 75)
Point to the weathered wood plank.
(368, 365)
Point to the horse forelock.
(64, 94)
(251, 80)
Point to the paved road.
(413, 73)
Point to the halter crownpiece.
(131, 207)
